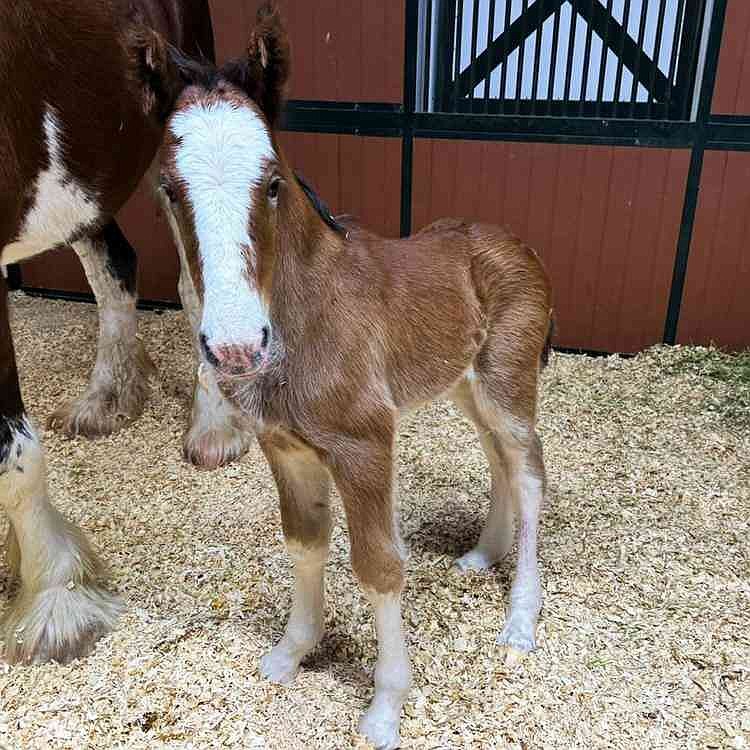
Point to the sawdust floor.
(644, 638)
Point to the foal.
(326, 335)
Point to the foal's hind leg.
(62, 606)
(118, 387)
(218, 432)
(509, 419)
(496, 538)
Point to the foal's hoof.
(473, 560)
(380, 729)
(59, 624)
(209, 447)
(279, 666)
(517, 642)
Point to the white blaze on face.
(221, 154)
(61, 205)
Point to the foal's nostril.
(210, 356)
(264, 340)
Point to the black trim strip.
(15, 278)
(64, 296)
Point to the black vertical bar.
(685, 78)
(620, 61)
(537, 54)
(15, 279)
(641, 35)
(473, 61)
(676, 36)
(427, 58)
(411, 45)
(692, 78)
(553, 60)
(586, 59)
(569, 63)
(490, 39)
(504, 70)
(692, 190)
(603, 62)
(521, 50)
(458, 45)
(657, 52)
(444, 54)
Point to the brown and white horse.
(79, 127)
(325, 335)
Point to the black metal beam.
(692, 189)
(410, 103)
(728, 133)
(581, 130)
(347, 117)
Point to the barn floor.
(645, 558)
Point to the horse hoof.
(115, 396)
(279, 666)
(60, 623)
(211, 447)
(380, 728)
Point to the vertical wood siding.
(342, 50)
(732, 93)
(353, 175)
(605, 220)
(716, 303)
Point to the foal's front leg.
(218, 432)
(364, 476)
(303, 483)
(118, 387)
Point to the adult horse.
(80, 125)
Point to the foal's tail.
(548, 340)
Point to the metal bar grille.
(624, 59)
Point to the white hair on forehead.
(220, 157)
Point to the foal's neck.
(307, 252)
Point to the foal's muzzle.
(238, 360)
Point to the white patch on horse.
(61, 207)
(221, 155)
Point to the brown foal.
(325, 335)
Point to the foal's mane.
(320, 206)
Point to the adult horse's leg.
(218, 432)
(118, 387)
(62, 607)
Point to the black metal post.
(692, 189)
(410, 93)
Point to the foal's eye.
(273, 188)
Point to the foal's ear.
(162, 71)
(264, 73)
